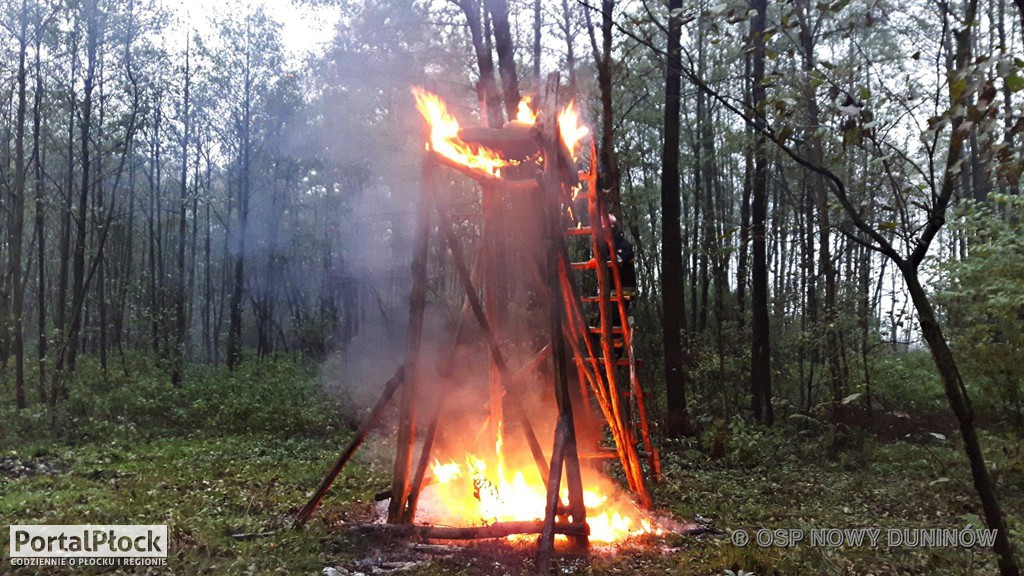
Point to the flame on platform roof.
(445, 140)
(525, 112)
(573, 131)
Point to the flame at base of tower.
(476, 492)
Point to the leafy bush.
(983, 300)
(907, 381)
(274, 396)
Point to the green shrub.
(907, 381)
(274, 396)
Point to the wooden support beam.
(493, 258)
(564, 449)
(418, 482)
(515, 402)
(515, 140)
(525, 185)
(546, 543)
(398, 509)
(332, 473)
(496, 530)
(638, 394)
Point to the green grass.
(249, 460)
(203, 488)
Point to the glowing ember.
(525, 112)
(444, 137)
(573, 132)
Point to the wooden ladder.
(603, 351)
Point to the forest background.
(206, 230)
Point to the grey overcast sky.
(304, 29)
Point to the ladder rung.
(588, 265)
(595, 299)
(581, 231)
(598, 455)
(615, 344)
(623, 362)
(606, 453)
(597, 329)
(619, 361)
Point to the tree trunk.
(40, 230)
(760, 367)
(85, 125)
(703, 176)
(487, 90)
(153, 229)
(570, 53)
(15, 233)
(673, 304)
(748, 180)
(234, 345)
(819, 192)
(538, 21)
(609, 159)
(959, 402)
(181, 295)
(99, 210)
(506, 54)
(60, 317)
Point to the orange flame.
(473, 495)
(445, 473)
(525, 112)
(573, 132)
(444, 137)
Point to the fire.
(444, 137)
(445, 472)
(525, 113)
(471, 494)
(445, 140)
(573, 132)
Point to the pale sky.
(304, 28)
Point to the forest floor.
(208, 487)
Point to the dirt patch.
(896, 425)
(482, 557)
(362, 550)
(13, 467)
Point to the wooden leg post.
(564, 450)
(325, 483)
(398, 509)
(515, 403)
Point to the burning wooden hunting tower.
(533, 161)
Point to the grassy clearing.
(250, 472)
(204, 488)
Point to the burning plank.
(496, 530)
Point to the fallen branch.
(432, 548)
(253, 535)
